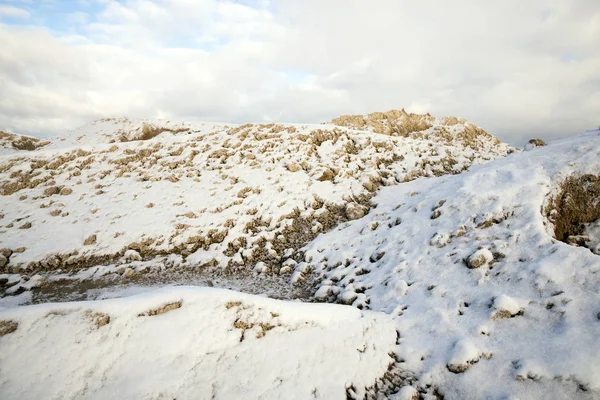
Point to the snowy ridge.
(442, 233)
(488, 304)
(11, 143)
(219, 195)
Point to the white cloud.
(7, 11)
(519, 69)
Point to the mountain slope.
(487, 302)
(220, 195)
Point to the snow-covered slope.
(232, 196)
(419, 218)
(11, 143)
(192, 343)
(488, 304)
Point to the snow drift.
(192, 343)
(488, 303)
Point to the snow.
(453, 279)
(196, 351)
(528, 315)
(204, 187)
(504, 302)
(592, 231)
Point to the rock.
(26, 225)
(6, 252)
(323, 293)
(537, 142)
(347, 297)
(129, 273)
(440, 239)
(51, 262)
(355, 211)
(293, 167)
(506, 307)
(407, 393)
(479, 258)
(37, 281)
(464, 354)
(260, 268)
(90, 240)
(66, 191)
(370, 186)
(132, 255)
(52, 190)
(3, 260)
(533, 143)
(7, 327)
(324, 174)
(99, 319)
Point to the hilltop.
(461, 267)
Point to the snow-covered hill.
(219, 195)
(11, 143)
(441, 241)
(487, 302)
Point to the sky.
(519, 69)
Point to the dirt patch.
(97, 318)
(161, 310)
(577, 203)
(7, 327)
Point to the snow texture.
(218, 345)
(525, 323)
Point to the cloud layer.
(519, 69)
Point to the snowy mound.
(487, 302)
(217, 195)
(11, 143)
(192, 343)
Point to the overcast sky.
(517, 68)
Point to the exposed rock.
(52, 190)
(66, 191)
(129, 273)
(479, 258)
(26, 225)
(323, 174)
(90, 240)
(7, 327)
(293, 167)
(355, 211)
(161, 310)
(132, 255)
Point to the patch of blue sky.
(56, 15)
(296, 77)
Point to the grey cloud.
(518, 69)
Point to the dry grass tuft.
(97, 318)
(161, 310)
(393, 122)
(537, 142)
(232, 304)
(7, 326)
(150, 131)
(577, 203)
(19, 142)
